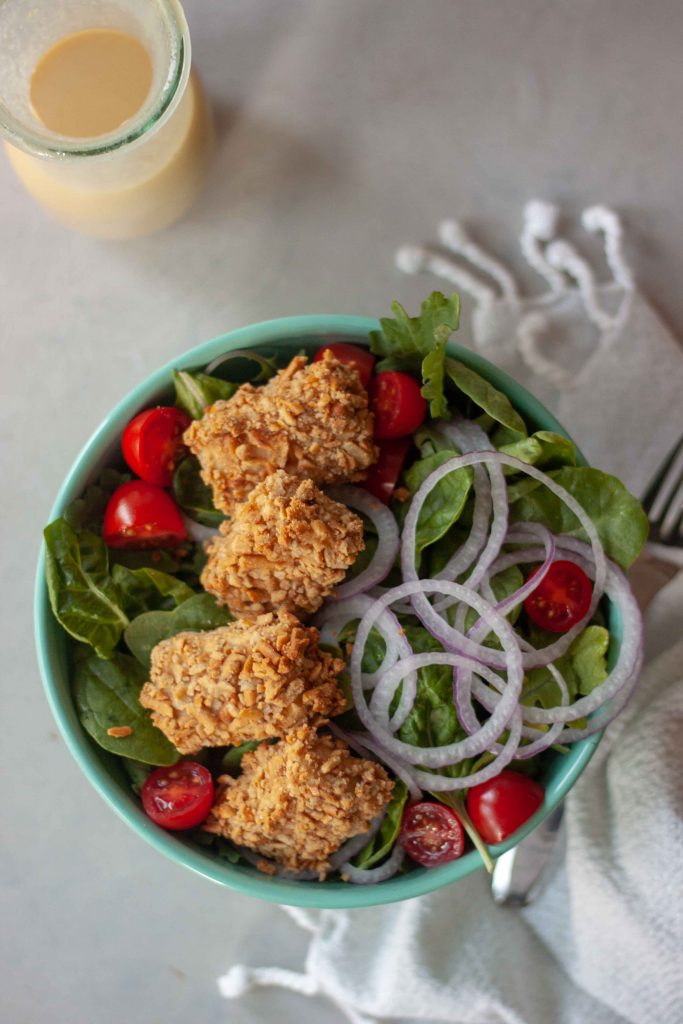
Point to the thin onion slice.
(365, 876)
(388, 543)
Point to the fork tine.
(666, 488)
(673, 513)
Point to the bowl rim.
(244, 879)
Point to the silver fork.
(521, 874)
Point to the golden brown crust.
(298, 800)
(286, 547)
(310, 420)
(244, 681)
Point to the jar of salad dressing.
(104, 122)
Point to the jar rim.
(49, 144)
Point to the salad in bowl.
(334, 612)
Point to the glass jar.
(142, 175)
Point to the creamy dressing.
(91, 83)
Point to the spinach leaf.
(87, 512)
(375, 647)
(483, 394)
(418, 344)
(194, 391)
(144, 590)
(198, 614)
(618, 517)
(83, 596)
(382, 842)
(107, 695)
(544, 449)
(446, 501)
(193, 495)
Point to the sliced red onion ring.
(365, 876)
(332, 619)
(268, 367)
(437, 625)
(445, 783)
(469, 747)
(197, 531)
(469, 437)
(384, 522)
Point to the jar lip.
(48, 144)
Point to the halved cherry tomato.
(382, 476)
(431, 834)
(500, 806)
(140, 515)
(397, 404)
(179, 796)
(562, 597)
(152, 443)
(351, 355)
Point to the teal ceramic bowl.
(287, 335)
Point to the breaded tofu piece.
(298, 800)
(311, 419)
(286, 547)
(244, 681)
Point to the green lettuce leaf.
(381, 844)
(544, 449)
(483, 394)
(618, 517)
(107, 694)
(197, 614)
(418, 344)
(194, 391)
(193, 495)
(583, 667)
(83, 596)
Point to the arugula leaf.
(197, 614)
(193, 495)
(382, 842)
(483, 394)
(107, 695)
(419, 344)
(444, 504)
(83, 596)
(194, 391)
(618, 517)
(145, 589)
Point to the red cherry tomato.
(140, 515)
(351, 355)
(398, 406)
(431, 834)
(382, 477)
(152, 444)
(179, 796)
(500, 806)
(562, 597)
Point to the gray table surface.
(345, 129)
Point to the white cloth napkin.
(602, 944)
(596, 354)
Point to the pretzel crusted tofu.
(287, 547)
(245, 681)
(311, 420)
(298, 800)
